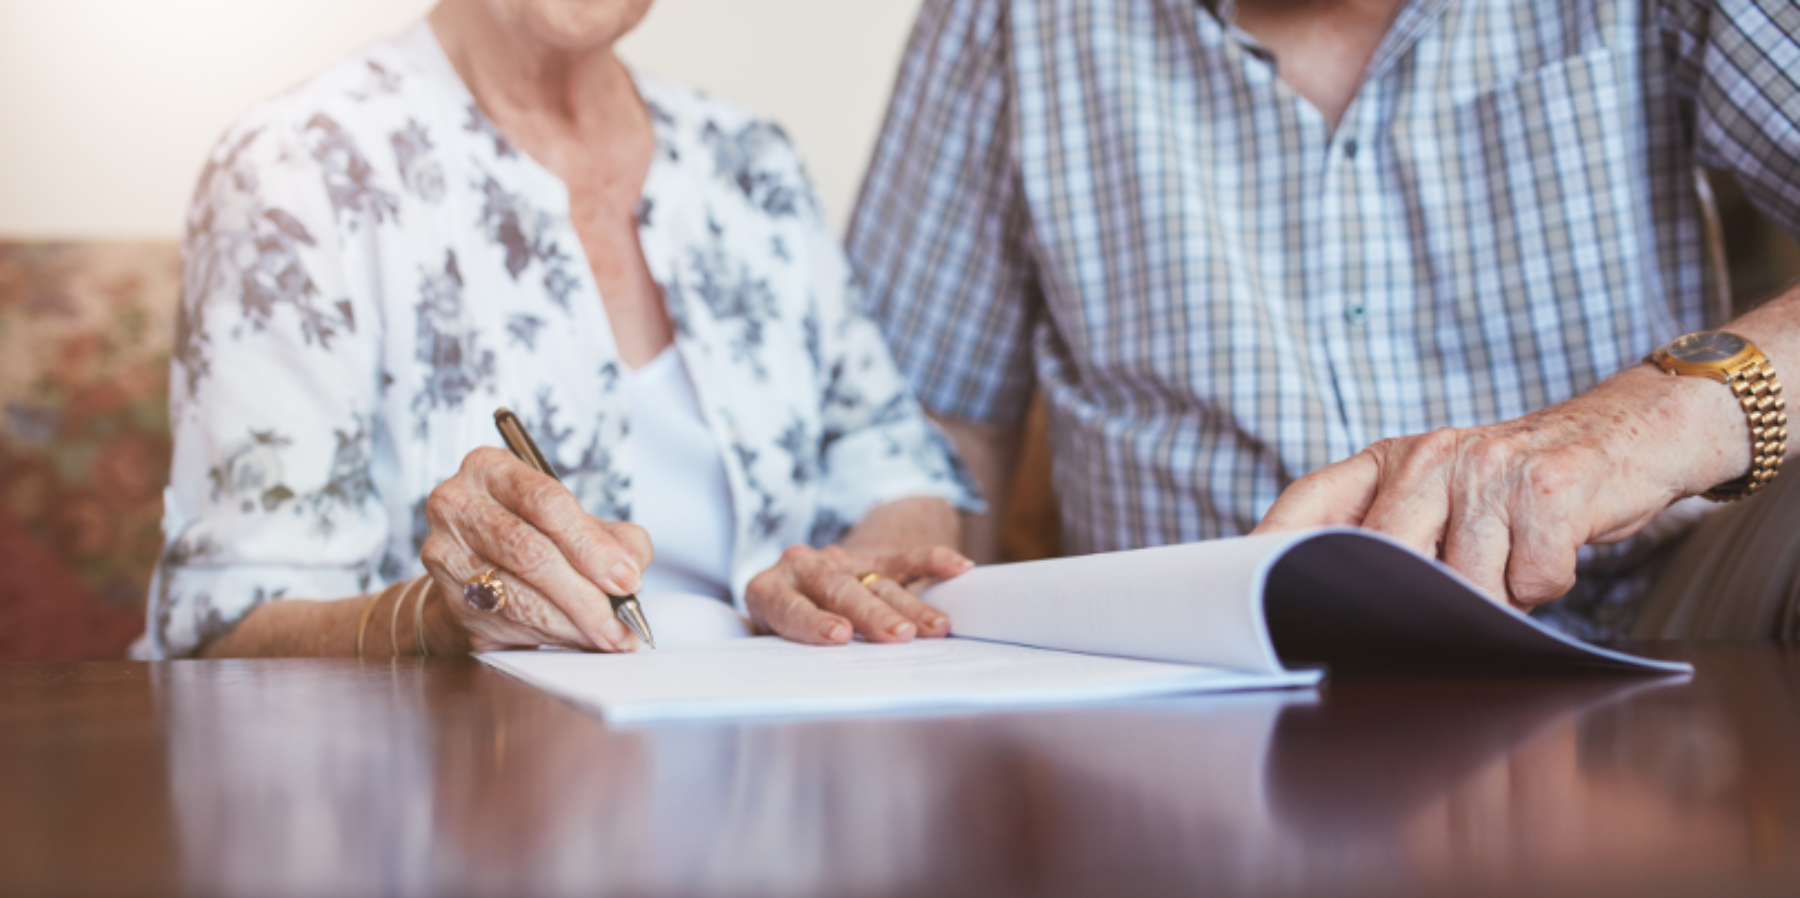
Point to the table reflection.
(414, 778)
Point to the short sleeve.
(272, 399)
(1738, 61)
(940, 235)
(877, 445)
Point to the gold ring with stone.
(485, 592)
(868, 578)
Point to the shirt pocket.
(1535, 221)
(1560, 104)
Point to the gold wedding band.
(485, 592)
(868, 578)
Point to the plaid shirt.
(1218, 293)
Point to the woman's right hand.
(558, 562)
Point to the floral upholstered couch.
(85, 330)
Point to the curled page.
(1336, 596)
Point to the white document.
(770, 677)
(1247, 613)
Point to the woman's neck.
(548, 100)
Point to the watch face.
(1707, 347)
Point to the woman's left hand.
(817, 595)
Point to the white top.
(681, 494)
(371, 268)
(683, 498)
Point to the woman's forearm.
(903, 523)
(292, 628)
(299, 628)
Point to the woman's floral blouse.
(371, 269)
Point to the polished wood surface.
(318, 777)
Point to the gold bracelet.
(419, 618)
(364, 623)
(394, 621)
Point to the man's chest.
(1492, 189)
(1321, 47)
(1474, 125)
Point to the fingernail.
(832, 630)
(615, 632)
(625, 579)
(903, 629)
(937, 622)
(965, 561)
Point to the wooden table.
(319, 777)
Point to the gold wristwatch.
(1738, 364)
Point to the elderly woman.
(491, 210)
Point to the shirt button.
(1356, 313)
(1350, 148)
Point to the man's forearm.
(989, 451)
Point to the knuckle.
(542, 496)
(758, 585)
(434, 552)
(863, 597)
(1432, 450)
(1390, 456)
(591, 545)
(826, 587)
(1392, 449)
(1540, 573)
(896, 596)
(1441, 443)
(636, 542)
(1539, 586)
(1552, 475)
(794, 603)
(526, 551)
(797, 555)
(484, 458)
(1488, 460)
(446, 501)
(819, 585)
(1384, 448)
(789, 610)
(773, 580)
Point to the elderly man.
(1389, 263)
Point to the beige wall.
(108, 107)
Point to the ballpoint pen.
(625, 608)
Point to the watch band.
(1759, 393)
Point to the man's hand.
(1508, 505)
